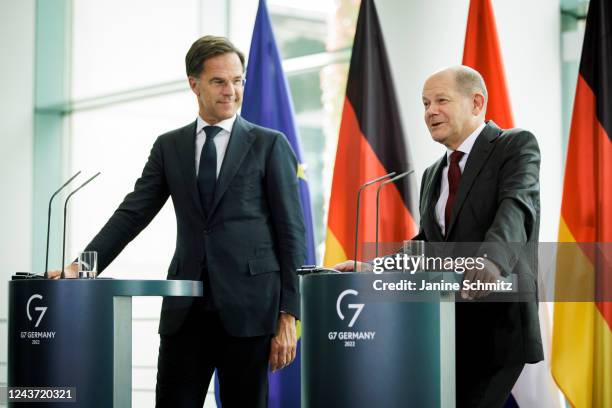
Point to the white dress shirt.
(221, 140)
(466, 148)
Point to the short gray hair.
(469, 81)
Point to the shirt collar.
(226, 124)
(467, 144)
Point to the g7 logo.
(41, 309)
(357, 306)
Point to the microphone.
(65, 211)
(380, 187)
(363, 187)
(312, 269)
(49, 219)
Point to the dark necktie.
(207, 171)
(454, 177)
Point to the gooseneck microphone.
(380, 187)
(363, 187)
(49, 219)
(65, 211)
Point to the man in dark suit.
(239, 229)
(484, 190)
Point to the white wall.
(423, 36)
(16, 118)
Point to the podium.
(78, 333)
(363, 347)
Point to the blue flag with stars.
(267, 103)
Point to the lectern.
(365, 347)
(78, 333)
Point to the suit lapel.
(476, 160)
(185, 146)
(239, 144)
(432, 193)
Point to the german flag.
(371, 144)
(582, 331)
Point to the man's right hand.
(349, 266)
(71, 272)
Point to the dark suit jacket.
(498, 201)
(252, 241)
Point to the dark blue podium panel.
(362, 348)
(77, 333)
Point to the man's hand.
(349, 266)
(71, 272)
(489, 274)
(284, 344)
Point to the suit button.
(206, 231)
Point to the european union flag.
(267, 103)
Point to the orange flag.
(481, 52)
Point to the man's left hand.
(284, 343)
